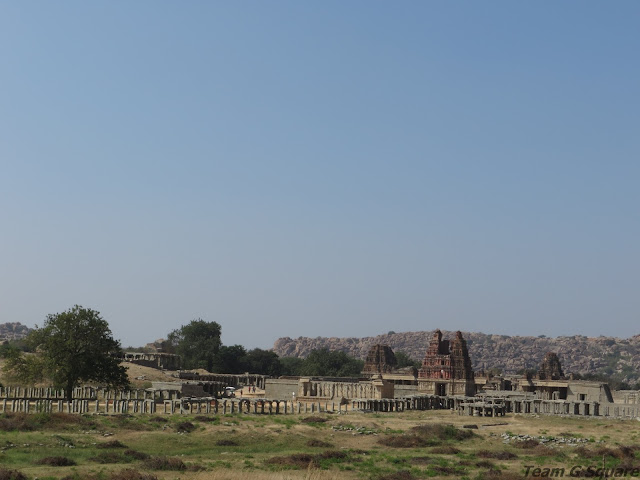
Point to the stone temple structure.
(550, 368)
(380, 359)
(446, 368)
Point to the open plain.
(393, 446)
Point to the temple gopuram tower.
(550, 368)
(380, 359)
(446, 368)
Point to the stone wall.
(281, 388)
(309, 388)
(400, 391)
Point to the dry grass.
(497, 455)
(140, 376)
(260, 438)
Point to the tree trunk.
(68, 391)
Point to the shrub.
(56, 461)
(130, 474)
(11, 475)
(445, 450)
(314, 420)
(15, 421)
(331, 454)
(158, 420)
(165, 463)
(530, 443)
(442, 432)
(185, 427)
(85, 476)
(297, 460)
(205, 419)
(108, 457)
(403, 441)
(227, 442)
(136, 455)
(504, 455)
(318, 443)
(401, 475)
(111, 444)
(444, 470)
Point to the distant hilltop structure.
(13, 331)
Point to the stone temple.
(380, 359)
(446, 368)
(550, 368)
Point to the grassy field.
(395, 446)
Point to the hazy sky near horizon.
(322, 168)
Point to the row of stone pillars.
(463, 405)
(247, 406)
(79, 393)
(481, 409)
(552, 407)
(421, 402)
(77, 406)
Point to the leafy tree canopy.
(405, 360)
(323, 362)
(198, 343)
(263, 362)
(73, 347)
(291, 365)
(230, 359)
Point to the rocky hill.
(616, 357)
(13, 331)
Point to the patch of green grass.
(288, 422)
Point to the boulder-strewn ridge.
(13, 331)
(578, 354)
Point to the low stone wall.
(401, 391)
(281, 388)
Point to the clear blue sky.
(322, 168)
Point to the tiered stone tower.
(446, 368)
(380, 359)
(550, 368)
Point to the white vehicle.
(229, 392)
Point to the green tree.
(263, 362)
(230, 359)
(20, 367)
(197, 342)
(72, 347)
(323, 362)
(405, 361)
(291, 366)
